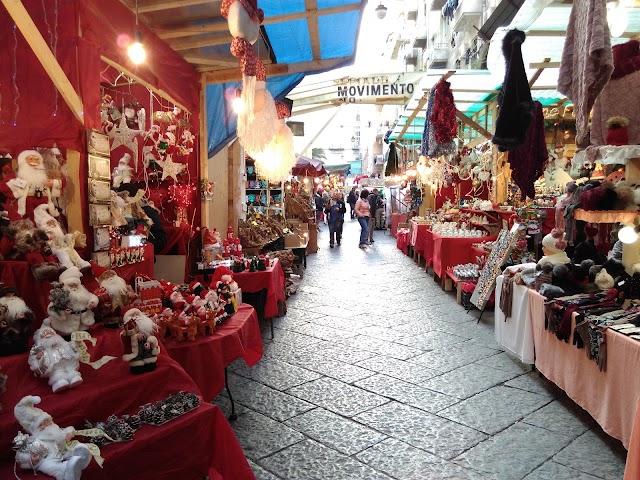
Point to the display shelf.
(607, 154)
(602, 216)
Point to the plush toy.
(71, 304)
(26, 242)
(114, 294)
(52, 357)
(45, 448)
(62, 245)
(32, 180)
(122, 173)
(617, 131)
(15, 322)
(140, 344)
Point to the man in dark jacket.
(352, 198)
(373, 205)
(335, 211)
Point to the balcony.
(468, 13)
(438, 55)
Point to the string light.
(181, 194)
(14, 82)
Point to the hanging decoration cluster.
(181, 194)
(261, 127)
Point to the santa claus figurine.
(122, 173)
(33, 185)
(150, 146)
(140, 343)
(62, 244)
(71, 304)
(15, 322)
(114, 294)
(54, 358)
(44, 448)
(175, 297)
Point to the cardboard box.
(312, 247)
(292, 241)
(303, 227)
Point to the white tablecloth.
(515, 335)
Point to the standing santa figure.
(71, 306)
(33, 182)
(122, 173)
(140, 344)
(45, 447)
(114, 294)
(54, 358)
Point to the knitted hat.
(626, 58)
(28, 416)
(283, 109)
(554, 241)
(251, 6)
(603, 280)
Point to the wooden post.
(234, 161)
(204, 151)
(44, 55)
(75, 205)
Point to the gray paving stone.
(403, 461)
(380, 347)
(329, 367)
(447, 359)
(421, 429)
(562, 416)
(431, 340)
(407, 393)
(337, 396)
(295, 339)
(593, 453)
(494, 409)
(536, 383)
(266, 400)
(400, 369)
(260, 436)
(554, 471)
(505, 362)
(261, 473)
(222, 401)
(514, 452)
(340, 352)
(382, 333)
(468, 380)
(310, 460)
(277, 374)
(343, 323)
(339, 433)
(323, 332)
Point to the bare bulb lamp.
(381, 11)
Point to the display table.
(271, 279)
(402, 240)
(451, 251)
(396, 218)
(611, 397)
(128, 272)
(514, 334)
(157, 452)
(206, 358)
(417, 238)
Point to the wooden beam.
(211, 61)
(45, 56)
(477, 127)
(314, 28)
(275, 69)
(222, 26)
(538, 72)
(168, 5)
(200, 41)
(133, 76)
(544, 65)
(203, 151)
(304, 150)
(317, 108)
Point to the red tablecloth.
(271, 279)
(128, 272)
(451, 251)
(206, 358)
(396, 218)
(416, 239)
(177, 237)
(165, 452)
(402, 240)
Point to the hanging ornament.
(123, 135)
(171, 168)
(182, 196)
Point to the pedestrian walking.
(335, 211)
(317, 200)
(352, 198)
(326, 198)
(363, 212)
(373, 206)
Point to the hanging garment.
(515, 102)
(426, 133)
(527, 160)
(587, 61)
(392, 161)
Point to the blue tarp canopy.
(289, 35)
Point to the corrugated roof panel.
(281, 7)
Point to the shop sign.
(377, 88)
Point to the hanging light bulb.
(628, 235)
(617, 18)
(238, 104)
(136, 50)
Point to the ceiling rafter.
(199, 41)
(159, 5)
(314, 28)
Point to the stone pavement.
(376, 373)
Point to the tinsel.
(443, 116)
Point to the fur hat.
(6, 290)
(28, 416)
(603, 280)
(626, 197)
(554, 241)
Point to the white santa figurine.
(71, 306)
(141, 346)
(54, 358)
(62, 244)
(33, 180)
(114, 294)
(45, 447)
(122, 173)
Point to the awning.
(308, 167)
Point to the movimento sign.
(372, 88)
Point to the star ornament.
(171, 169)
(123, 135)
